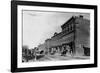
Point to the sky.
(41, 25)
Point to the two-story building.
(75, 34)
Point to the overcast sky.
(39, 26)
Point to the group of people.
(31, 54)
(67, 50)
(63, 51)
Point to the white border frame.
(53, 63)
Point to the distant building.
(42, 47)
(75, 33)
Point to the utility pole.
(35, 54)
(74, 36)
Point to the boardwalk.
(58, 57)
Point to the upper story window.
(68, 28)
(71, 27)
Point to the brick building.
(75, 34)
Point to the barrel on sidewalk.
(86, 51)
